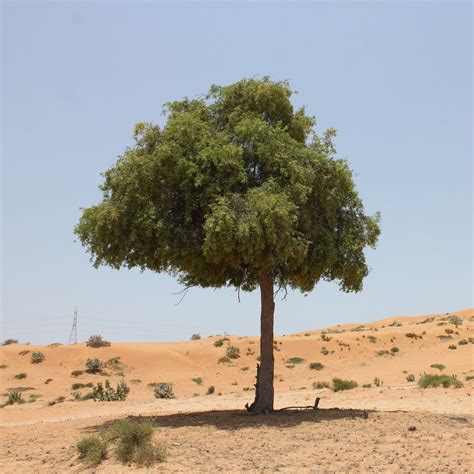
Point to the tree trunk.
(264, 394)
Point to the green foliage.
(456, 320)
(21, 375)
(164, 390)
(232, 352)
(234, 183)
(220, 342)
(440, 367)
(340, 384)
(92, 449)
(410, 378)
(14, 396)
(135, 443)
(316, 366)
(195, 337)
(93, 366)
(432, 380)
(211, 390)
(96, 342)
(108, 394)
(7, 342)
(295, 360)
(37, 357)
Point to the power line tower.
(73, 335)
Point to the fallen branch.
(307, 407)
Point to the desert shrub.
(448, 331)
(395, 324)
(469, 377)
(77, 386)
(93, 366)
(232, 352)
(372, 339)
(198, 380)
(76, 395)
(316, 366)
(223, 360)
(412, 335)
(290, 366)
(108, 394)
(435, 380)
(57, 400)
(454, 319)
(14, 396)
(382, 353)
(367, 385)
(378, 382)
(7, 342)
(410, 378)
(219, 343)
(164, 390)
(3, 366)
(452, 346)
(96, 342)
(195, 337)
(92, 449)
(394, 350)
(76, 373)
(325, 338)
(462, 342)
(244, 369)
(211, 390)
(324, 351)
(135, 444)
(21, 375)
(321, 384)
(340, 384)
(295, 360)
(37, 357)
(440, 367)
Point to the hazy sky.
(394, 78)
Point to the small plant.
(316, 366)
(412, 335)
(211, 390)
(76, 395)
(76, 373)
(367, 385)
(340, 384)
(454, 319)
(14, 396)
(3, 366)
(92, 450)
(372, 339)
(135, 443)
(96, 342)
(244, 369)
(431, 380)
(195, 337)
(219, 343)
(93, 366)
(232, 352)
(378, 382)
(37, 357)
(295, 360)
(108, 394)
(394, 350)
(440, 367)
(23, 353)
(382, 353)
(223, 360)
(164, 390)
(320, 384)
(469, 377)
(46, 382)
(462, 342)
(21, 375)
(410, 378)
(325, 338)
(198, 380)
(448, 331)
(7, 342)
(324, 351)
(452, 346)
(57, 400)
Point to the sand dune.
(40, 438)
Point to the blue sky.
(395, 79)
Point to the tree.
(236, 189)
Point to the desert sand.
(393, 427)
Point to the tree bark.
(264, 393)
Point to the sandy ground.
(361, 430)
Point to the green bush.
(232, 352)
(440, 367)
(316, 366)
(37, 357)
(410, 378)
(435, 380)
(135, 443)
(219, 343)
(21, 375)
(14, 396)
(295, 360)
(195, 337)
(211, 390)
(7, 342)
(164, 390)
(96, 342)
(92, 450)
(93, 366)
(108, 394)
(340, 384)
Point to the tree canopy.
(235, 183)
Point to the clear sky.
(395, 79)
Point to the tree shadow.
(237, 419)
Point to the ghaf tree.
(236, 189)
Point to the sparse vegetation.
(232, 352)
(96, 342)
(163, 390)
(316, 366)
(211, 390)
(57, 400)
(219, 343)
(295, 360)
(14, 396)
(452, 347)
(319, 384)
(195, 337)
(244, 369)
(197, 380)
(372, 339)
(340, 384)
(92, 450)
(7, 342)
(135, 443)
(77, 386)
(394, 350)
(324, 351)
(462, 342)
(469, 377)
(108, 394)
(412, 335)
(378, 382)
(37, 357)
(223, 360)
(383, 352)
(76, 373)
(448, 331)
(93, 366)
(410, 378)
(23, 353)
(21, 375)
(456, 320)
(435, 380)
(440, 367)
